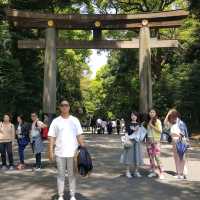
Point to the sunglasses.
(64, 105)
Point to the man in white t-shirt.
(66, 133)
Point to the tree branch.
(146, 5)
(114, 6)
(137, 6)
(166, 3)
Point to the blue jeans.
(21, 153)
(22, 143)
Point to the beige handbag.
(126, 142)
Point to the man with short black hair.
(66, 133)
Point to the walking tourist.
(66, 133)
(123, 125)
(118, 124)
(109, 127)
(104, 126)
(99, 125)
(93, 124)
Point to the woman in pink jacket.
(7, 136)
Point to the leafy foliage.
(115, 90)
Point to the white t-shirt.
(99, 121)
(175, 129)
(65, 131)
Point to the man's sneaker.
(4, 168)
(137, 174)
(11, 168)
(73, 198)
(38, 169)
(61, 198)
(128, 175)
(152, 174)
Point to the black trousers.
(38, 157)
(6, 150)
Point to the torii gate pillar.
(50, 72)
(145, 99)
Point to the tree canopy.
(114, 92)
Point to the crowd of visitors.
(143, 132)
(103, 126)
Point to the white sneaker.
(137, 174)
(60, 198)
(11, 168)
(152, 174)
(161, 177)
(38, 169)
(180, 177)
(73, 198)
(4, 168)
(128, 175)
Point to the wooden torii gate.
(96, 22)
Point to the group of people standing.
(24, 133)
(152, 130)
(65, 135)
(102, 126)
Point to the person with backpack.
(36, 139)
(179, 135)
(7, 137)
(154, 130)
(22, 135)
(66, 133)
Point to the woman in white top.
(173, 121)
